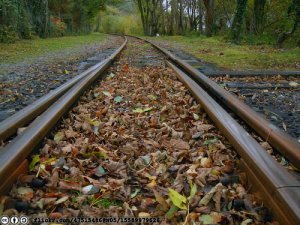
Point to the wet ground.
(279, 105)
(23, 83)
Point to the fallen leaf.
(33, 162)
(177, 199)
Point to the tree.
(162, 17)
(257, 18)
(294, 15)
(209, 17)
(238, 19)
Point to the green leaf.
(138, 110)
(118, 99)
(148, 109)
(96, 94)
(96, 130)
(100, 171)
(283, 161)
(172, 211)
(111, 76)
(274, 117)
(164, 108)
(98, 154)
(135, 193)
(230, 205)
(211, 141)
(49, 160)
(193, 191)
(106, 93)
(24, 190)
(91, 121)
(196, 117)
(177, 198)
(245, 222)
(146, 158)
(152, 97)
(215, 172)
(33, 162)
(222, 85)
(59, 136)
(207, 219)
(63, 199)
(142, 110)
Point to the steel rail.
(9, 126)
(16, 152)
(284, 143)
(284, 188)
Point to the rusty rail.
(16, 152)
(281, 186)
(9, 126)
(284, 143)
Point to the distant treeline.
(272, 21)
(24, 18)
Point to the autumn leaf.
(33, 162)
(118, 99)
(177, 199)
(106, 93)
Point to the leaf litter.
(138, 163)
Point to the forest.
(274, 22)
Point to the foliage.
(8, 35)
(112, 21)
(23, 19)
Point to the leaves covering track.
(138, 145)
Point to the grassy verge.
(29, 49)
(237, 57)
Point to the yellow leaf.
(66, 72)
(152, 184)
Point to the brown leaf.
(68, 185)
(160, 199)
(175, 145)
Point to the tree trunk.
(168, 19)
(200, 18)
(238, 19)
(257, 18)
(181, 26)
(162, 17)
(172, 17)
(209, 17)
(141, 8)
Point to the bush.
(7, 34)
(58, 29)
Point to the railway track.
(138, 132)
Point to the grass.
(228, 56)
(30, 49)
(107, 203)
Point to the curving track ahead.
(280, 190)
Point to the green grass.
(107, 203)
(237, 57)
(30, 49)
